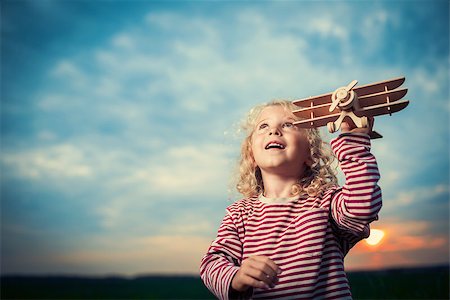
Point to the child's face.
(278, 146)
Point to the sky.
(120, 123)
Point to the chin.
(281, 165)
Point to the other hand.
(256, 271)
(349, 126)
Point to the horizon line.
(194, 275)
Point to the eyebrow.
(262, 121)
(288, 118)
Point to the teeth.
(275, 145)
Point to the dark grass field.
(417, 283)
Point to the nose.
(275, 131)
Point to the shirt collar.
(269, 200)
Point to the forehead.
(275, 111)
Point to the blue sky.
(120, 122)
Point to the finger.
(264, 269)
(261, 275)
(252, 276)
(345, 127)
(274, 269)
(253, 282)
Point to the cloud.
(54, 162)
(409, 243)
(404, 236)
(71, 73)
(103, 255)
(179, 170)
(164, 20)
(58, 102)
(178, 173)
(428, 204)
(406, 243)
(124, 41)
(186, 170)
(430, 83)
(326, 27)
(411, 197)
(374, 24)
(198, 76)
(189, 170)
(160, 254)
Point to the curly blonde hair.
(318, 176)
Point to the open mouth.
(275, 145)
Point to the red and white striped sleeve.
(222, 259)
(358, 202)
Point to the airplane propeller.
(343, 94)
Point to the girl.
(287, 238)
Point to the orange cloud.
(404, 236)
(404, 244)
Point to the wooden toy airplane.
(356, 103)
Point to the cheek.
(254, 145)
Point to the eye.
(288, 125)
(263, 126)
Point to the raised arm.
(358, 202)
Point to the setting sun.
(376, 235)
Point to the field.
(417, 283)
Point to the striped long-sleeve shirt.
(307, 237)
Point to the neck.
(278, 185)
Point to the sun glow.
(376, 235)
